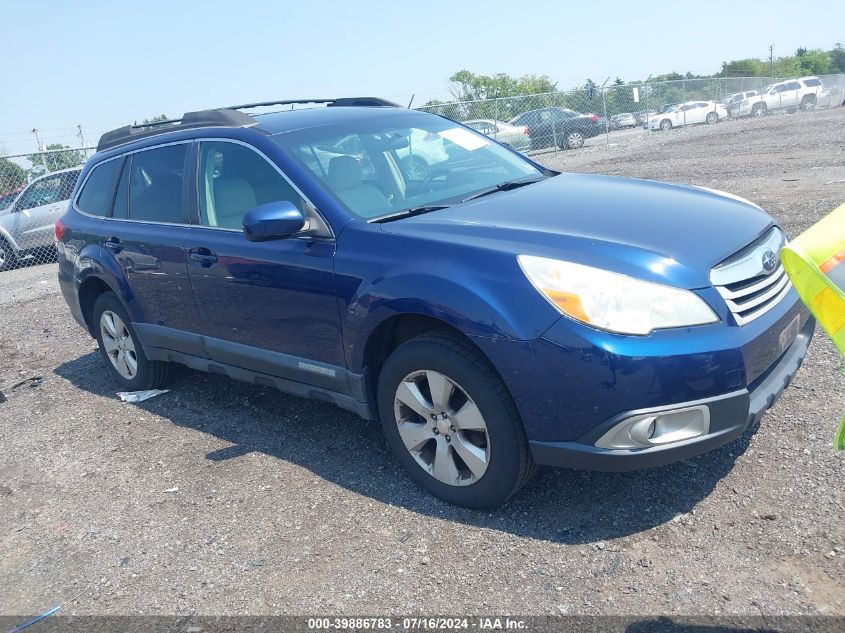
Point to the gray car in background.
(26, 226)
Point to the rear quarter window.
(96, 195)
(812, 83)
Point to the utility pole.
(772, 60)
(82, 140)
(41, 150)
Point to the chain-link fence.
(567, 119)
(34, 193)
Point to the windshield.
(385, 165)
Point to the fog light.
(655, 429)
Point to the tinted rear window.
(810, 83)
(155, 185)
(96, 195)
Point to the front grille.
(748, 290)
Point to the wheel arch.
(393, 331)
(6, 236)
(89, 290)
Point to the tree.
(814, 62)
(837, 59)
(12, 176)
(148, 123)
(467, 86)
(744, 68)
(54, 159)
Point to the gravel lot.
(224, 498)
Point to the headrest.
(344, 172)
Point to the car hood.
(651, 230)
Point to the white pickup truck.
(804, 93)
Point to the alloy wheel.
(575, 140)
(442, 428)
(118, 343)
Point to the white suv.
(26, 227)
(804, 93)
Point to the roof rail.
(342, 101)
(222, 117)
(203, 118)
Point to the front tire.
(8, 257)
(451, 422)
(121, 348)
(665, 125)
(712, 117)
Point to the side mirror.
(272, 221)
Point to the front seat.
(233, 197)
(346, 180)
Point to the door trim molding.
(295, 375)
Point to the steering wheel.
(431, 176)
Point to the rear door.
(146, 234)
(269, 307)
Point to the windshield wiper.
(503, 186)
(408, 213)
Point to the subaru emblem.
(770, 261)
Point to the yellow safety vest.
(815, 262)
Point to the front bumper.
(731, 415)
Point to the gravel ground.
(225, 498)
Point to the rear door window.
(96, 195)
(156, 182)
(792, 85)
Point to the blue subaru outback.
(491, 313)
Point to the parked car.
(623, 121)
(689, 113)
(494, 315)
(804, 93)
(423, 152)
(558, 127)
(644, 116)
(26, 226)
(512, 136)
(666, 107)
(733, 101)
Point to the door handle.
(114, 244)
(203, 257)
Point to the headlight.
(611, 301)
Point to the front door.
(269, 307)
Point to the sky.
(105, 64)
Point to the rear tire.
(808, 103)
(573, 140)
(712, 117)
(473, 416)
(8, 257)
(121, 348)
(759, 109)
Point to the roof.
(273, 123)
